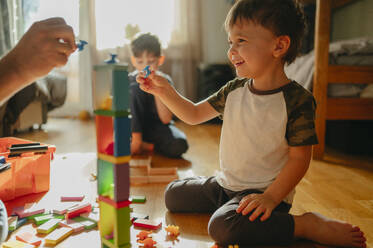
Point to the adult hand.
(261, 203)
(47, 44)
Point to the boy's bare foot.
(315, 227)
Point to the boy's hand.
(262, 203)
(154, 84)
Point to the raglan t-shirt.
(258, 128)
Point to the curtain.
(11, 24)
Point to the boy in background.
(151, 121)
(266, 140)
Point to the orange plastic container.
(29, 172)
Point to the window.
(152, 16)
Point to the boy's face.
(251, 48)
(146, 59)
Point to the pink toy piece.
(29, 210)
(76, 211)
(28, 238)
(76, 226)
(72, 198)
(148, 224)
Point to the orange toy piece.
(143, 235)
(214, 246)
(172, 230)
(147, 243)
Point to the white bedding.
(346, 52)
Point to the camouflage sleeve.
(217, 100)
(300, 130)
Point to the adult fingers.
(59, 59)
(53, 21)
(64, 48)
(64, 32)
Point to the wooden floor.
(340, 187)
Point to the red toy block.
(113, 203)
(76, 211)
(148, 224)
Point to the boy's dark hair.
(282, 17)
(146, 42)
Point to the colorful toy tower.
(113, 130)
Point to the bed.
(326, 73)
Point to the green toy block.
(48, 226)
(12, 223)
(116, 221)
(88, 224)
(32, 217)
(138, 199)
(39, 220)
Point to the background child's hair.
(282, 17)
(146, 42)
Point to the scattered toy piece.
(29, 210)
(148, 224)
(148, 243)
(12, 223)
(76, 226)
(58, 235)
(48, 226)
(233, 246)
(138, 199)
(143, 235)
(78, 210)
(28, 238)
(17, 244)
(172, 230)
(135, 216)
(72, 198)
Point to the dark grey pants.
(205, 195)
(168, 140)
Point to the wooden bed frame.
(335, 108)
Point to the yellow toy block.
(17, 244)
(58, 235)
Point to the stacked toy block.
(113, 130)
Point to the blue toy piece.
(81, 45)
(2, 160)
(147, 71)
(113, 59)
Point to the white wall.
(214, 37)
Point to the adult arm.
(47, 44)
